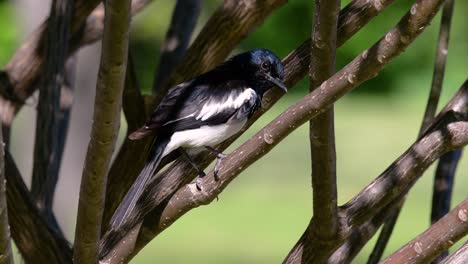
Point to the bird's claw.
(198, 182)
(220, 157)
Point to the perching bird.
(197, 115)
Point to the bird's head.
(263, 68)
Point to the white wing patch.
(178, 119)
(234, 101)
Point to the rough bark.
(440, 236)
(106, 123)
(184, 19)
(322, 131)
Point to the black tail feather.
(134, 193)
(124, 218)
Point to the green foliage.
(9, 32)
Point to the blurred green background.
(261, 215)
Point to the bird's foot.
(219, 159)
(198, 181)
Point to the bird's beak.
(277, 82)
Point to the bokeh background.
(261, 215)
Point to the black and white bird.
(197, 115)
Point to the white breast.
(203, 136)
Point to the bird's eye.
(266, 65)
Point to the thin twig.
(352, 18)
(184, 19)
(106, 122)
(6, 255)
(35, 238)
(440, 236)
(47, 148)
(460, 256)
(322, 131)
(433, 101)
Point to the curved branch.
(440, 236)
(106, 123)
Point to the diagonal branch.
(352, 18)
(18, 78)
(6, 255)
(184, 19)
(106, 123)
(35, 238)
(47, 149)
(440, 236)
(322, 131)
(439, 71)
(460, 256)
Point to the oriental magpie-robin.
(196, 115)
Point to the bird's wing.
(165, 110)
(214, 106)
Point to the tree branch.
(18, 78)
(352, 18)
(6, 255)
(440, 236)
(184, 19)
(429, 114)
(37, 241)
(460, 256)
(322, 131)
(47, 148)
(106, 122)
(359, 237)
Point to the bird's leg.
(200, 172)
(219, 157)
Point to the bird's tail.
(122, 221)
